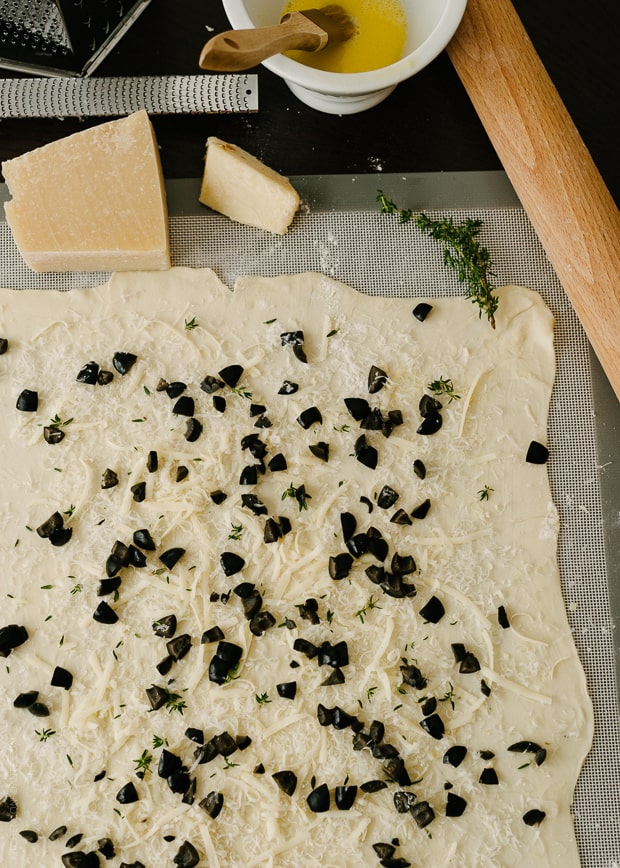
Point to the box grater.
(62, 37)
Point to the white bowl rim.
(357, 82)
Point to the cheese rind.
(237, 184)
(92, 201)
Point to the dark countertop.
(428, 124)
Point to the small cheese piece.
(92, 201)
(238, 185)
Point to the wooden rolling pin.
(549, 166)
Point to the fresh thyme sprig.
(444, 386)
(461, 251)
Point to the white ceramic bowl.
(430, 26)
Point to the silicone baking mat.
(340, 231)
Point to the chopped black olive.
(325, 716)
(8, 809)
(182, 473)
(179, 781)
(171, 557)
(365, 453)
(484, 688)
(272, 531)
(152, 461)
(105, 614)
(396, 771)
(429, 706)
(359, 408)
(106, 847)
(54, 523)
(4, 345)
(257, 409)
(243, 741)
(195, 735)
(361, 740)
(164, 666)
(404, 801)
(333, 655)
(24, 700)
(58, 833)
(231, 563)
(305, 647)
(11, 637)
(179, 646)
(231, 375)
(433, 610)
(336, 676)
(254, 444)
(193, 430)
(249, 475)
(348, 523)
(433, 725)
(387, 497)
(502, 618)
(213, 634)
(286, 780)
(121, 552)
(53, 435)
(88, 374)
(252, 604)
(80, 859)
(342, 719)
(61, 537)
(401, 517)
(412, 676)
(488, 776)
(173, 390)
(537, 453)
(165, 627)
(318, 799)
(430, 424)
(104, 378)
(403, 565)
(376, 379)
(29, 835)
(288, 388)
(469, 664)
(260, 622)
(419, 469)
(136, 558)
(27, 401)
(458, 651)
(373, 786)
(292, 339)
(310, 416)
(421, 511)
(393, 586)
(530, 747)
(61, 678)
(254, 503)
(225, 743)
(533, 817)
(144, 540)
(74, 840)
(127, 794)
(374, 421)
(187, 856)
(422, 813)
(278, 462)
(218, 497)
(224, 661)
(212, 803)
(123, 362)
(340, 565)
(384, 751)
(486, 754)
(184, 406)
(206, 752)
(309, 611)
(344, 796)
(320, 450)
(358, 544)
(455, 805)
(428, 406)
(109, 478)
(39, 709)
(139, 491)
(219, 403)
(455, 755)
(157, 696)
(211, 384)
(422, 310)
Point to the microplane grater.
(121, 95)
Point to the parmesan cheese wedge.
(238, 185)
(92, 201)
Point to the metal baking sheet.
(341, 232)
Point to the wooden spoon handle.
(549, 166)
(235, 50)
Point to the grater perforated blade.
(62, 37)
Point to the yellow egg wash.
(379, 38)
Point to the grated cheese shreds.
(475, 554)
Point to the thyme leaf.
(462, 253)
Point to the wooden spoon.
(310, 30)
(549, 166)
